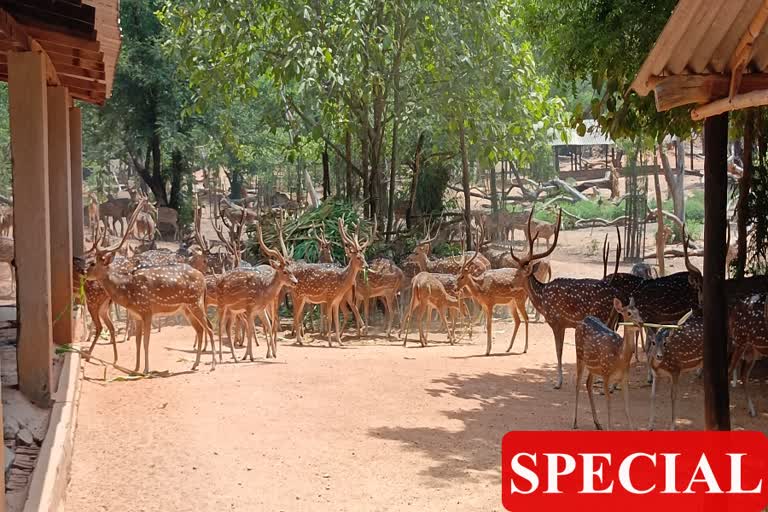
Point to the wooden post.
(60, 197)
(28, 106)
(76, 169)
(716, 400)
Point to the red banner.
(678, 471)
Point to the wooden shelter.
(712, 55)
(51, 53)
(572, 148)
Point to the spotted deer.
(95, 298)
(427, 293)
(384, 281)
(492, 287)
(327, 284)
(6, 220)
(602, 352)
(252, 293)
(7, 255)
(146, 292)
(565, 302)
(673, 352)
(748, 335)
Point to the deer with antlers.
(492, 287)
(146, 292)
(320, 283)
(603, 353)
(95, 298)
(252, 293)
(565, 302)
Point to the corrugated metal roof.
(700, 38)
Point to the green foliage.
(595, 49)
(299, 233)
(431, 187)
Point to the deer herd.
(664, 312)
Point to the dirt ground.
(372, 426)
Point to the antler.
(269, 253)
(343, 232)
(690, 266)
(618, 255)
(134, 216)
(606, 250)
(198, 235)
(531, 240)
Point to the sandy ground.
(372, 426)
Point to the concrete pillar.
(28, 106)
(60, 197)
(76, 169)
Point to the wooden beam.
(739, 102)
(76, 169)
(28, 106)
(59, 194)
(716, 399)
(743, 52)
(679, 90)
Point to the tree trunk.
(414, 181)
(364, 161)
(503, 185)
(178, 170)
(394, 158)
(377, 139)
(742, 208)
(326, 174)
(675, 181)
(348, 154)
(465, 184)
(299, 178)
(494, 192)
(659, 224)
(236, 184)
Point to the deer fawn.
(427, 292)
(565, 302)
(602, 352)
(146, 292)
(383, 280)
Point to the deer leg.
(516, 317)
(298, 310)
(673, 394)
(267, 329)
(138, 346)
(146, 322)
(653, 401)
(524, 314)
(488, 329)
(334, 307)
(451, 336)
(745, 379)
(625, 391)
(559, 340)
(607, 391)
(203, 329)
(95, 316)
(579, 373)
(406, 324)
(590, 379)
(424, 323)
(104, 314)
(250, 333)
(390, 314)
(358, 319)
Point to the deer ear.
(617, 304)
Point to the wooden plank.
(76, 169)
(718, 63)
(740, 101)
(716, 398)
(59, 195)
(29, 148)
(63, 39)
(675, 91)
(743, 52)
(74, 51)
